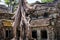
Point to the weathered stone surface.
(40, 22)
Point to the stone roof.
(3, 9)
(6, 15)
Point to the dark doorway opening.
(34, 34)
(44, 34)
(18, 34)
(9, 34)
(6, 33)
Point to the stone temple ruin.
(6, 28)
(44, 25)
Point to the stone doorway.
(39, 34)
(34, 34)
(18, 34)
(43, 35)
(8, 34)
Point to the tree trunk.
(21, 21)
(16, 23)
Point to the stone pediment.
(40, 22)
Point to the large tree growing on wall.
(20, 20)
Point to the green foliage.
(11, 2)
(7, 2)
(46, 1)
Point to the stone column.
(48, 34)
(38, 35)
(4, 33)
